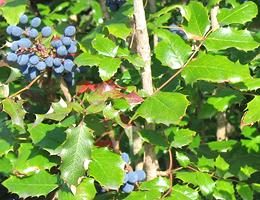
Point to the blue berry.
(127, 188)
(35, 22)
(15, 46)
(141, 175)
(70, 31)
(11, 57)
(33, 73)
(25, 43)
(56, 43)
(33, 33)
(23, 19)
(59, 69)
(41, 66)
(34, 60)
(125, 157)
(57, 62)
(72, 49)
(62, 51)
(68, 65)
(66, 41)
(17, 31)
(9, 29)
(46, 31)
(23, 59)
(49, 61)
(132, 177)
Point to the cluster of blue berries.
(131, 178)
(114, 5)
(33, 57)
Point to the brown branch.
(64, 88)
(26, 87)
(104, 9)
(169, 174)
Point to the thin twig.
(27, 87)
(170, 175)
(186, 63)
(65, 90)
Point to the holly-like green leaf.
(36, 185)
(105, 46)
(161, 184)
(107, 168)
(87, 59)
(203, 180)
(221, 164)
(31, 160)
(245, 191)
(240, 14)
(183, 192)
(248, 84)
(172, 51)
(198, 22)
(154, 137)
(15, 111)
(13, 9)
(108, 67)
(58, 111)
(163, 107)
(181, 137)
(252, 114)
(75, 152)
(6, 166)
(118, 29)
(224, 98)
(225, 38)
(86, 190)
(182, 159)
(144, 195)
(205, 164)
(48, 137)
(7, 140)
(224, 190)
(215, 68)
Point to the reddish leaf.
(133, 98)
(2, 2)
(86, 86)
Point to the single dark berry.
(11, 57)
(62, 51)
(41, 66)
(66, 41)
(68, 65)
(23, 19)
(23, 59)
(127, 188)
(72, 49)
(34, 60)
(49, 61)
(46, 31)
(33, 33)
(35, 22)
(125, 157)
(70, 31)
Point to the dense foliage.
(77, 123)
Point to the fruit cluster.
(36, 51)
(132, 177)
(114, 5)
